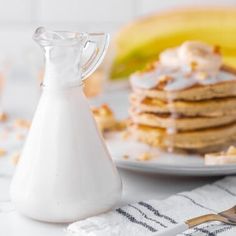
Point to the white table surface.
(20, 100)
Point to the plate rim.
(183, 170)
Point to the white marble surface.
(20, 100)
(136, 187)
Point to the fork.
(227, 217)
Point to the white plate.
(162, 163)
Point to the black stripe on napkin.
(133, 220)
(203, 230)
(222, 230)
(156, 212)
(224, 189)
(146, 217)
(194, 202)
(206, 229)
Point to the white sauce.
(181, 79)
(65, 172)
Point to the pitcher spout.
(46, 37)
(70, 57)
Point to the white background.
(18, 18)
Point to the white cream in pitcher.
(65, 172)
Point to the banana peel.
(141, 42)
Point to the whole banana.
(143, 40)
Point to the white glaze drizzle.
(177, 63)
(180, 79)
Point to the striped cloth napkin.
(147, 217)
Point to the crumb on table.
(146, 156)
(125, 135)
(106, 120)
(2, 152)
(3, 116)
(22, 123)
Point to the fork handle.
(172, 231)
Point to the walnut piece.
(3, 117)
(126, 157)
(217, 49)
(146, 156)
(125, 135)
(21, 123)
(193, 66)
(164, 80)
(2, 152)
(106, 120)
(103, 110)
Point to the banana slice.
(202, 55)
(221, 158)
(170, 58)
(194, 55)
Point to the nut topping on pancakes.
(186, 65)
(204, 56)
(164, 80)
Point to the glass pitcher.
(65, 172)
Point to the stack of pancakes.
(198, 116)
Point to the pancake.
(196, 93)
(185, 101)
(190, 140)
(179, 123)
(209, 108)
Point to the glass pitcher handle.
(100, 42)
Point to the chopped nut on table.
(125, 135)
(3, 116)
(21, 123)
(146, 156)
(2, 152)
(106, 120)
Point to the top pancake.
(196, 93)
